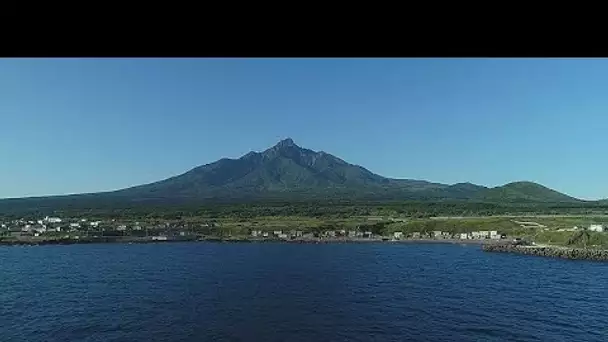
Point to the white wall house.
(596, 228)
(52, 219)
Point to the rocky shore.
(550, 251)
(37, 241)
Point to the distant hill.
(287, 171)
(524, 191)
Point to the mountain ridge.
(289, 171)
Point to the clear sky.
(85, 125)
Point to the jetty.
(572, 253)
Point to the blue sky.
(84, 125)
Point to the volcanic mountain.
(287, 171)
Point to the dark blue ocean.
(292, 292)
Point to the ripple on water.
(284, 292)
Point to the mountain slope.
(287, 171)
(285, 167)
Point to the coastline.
(490, 246)
(131, 240)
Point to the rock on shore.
(550, 251)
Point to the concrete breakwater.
(550, 251)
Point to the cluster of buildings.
(354, 234)
(438, 235)
(279, 234)
(46, 225)
(295, 234)
(592, 228)
(54, 225)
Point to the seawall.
(550, 251)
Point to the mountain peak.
(288, 171)
(283, 147)
(287, 142)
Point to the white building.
(437, 233)
(476, 235)
(464, 236)
(94, 223)
(398, 235)
(74, 225)
(596, 228)
(277, 232)
(52, 219)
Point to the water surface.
(292, 292)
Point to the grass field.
(542, 229)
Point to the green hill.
(524, 191)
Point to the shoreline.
(487, 245)
(96, 240)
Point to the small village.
(357, 234)
(76, 228)
(53, 228)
